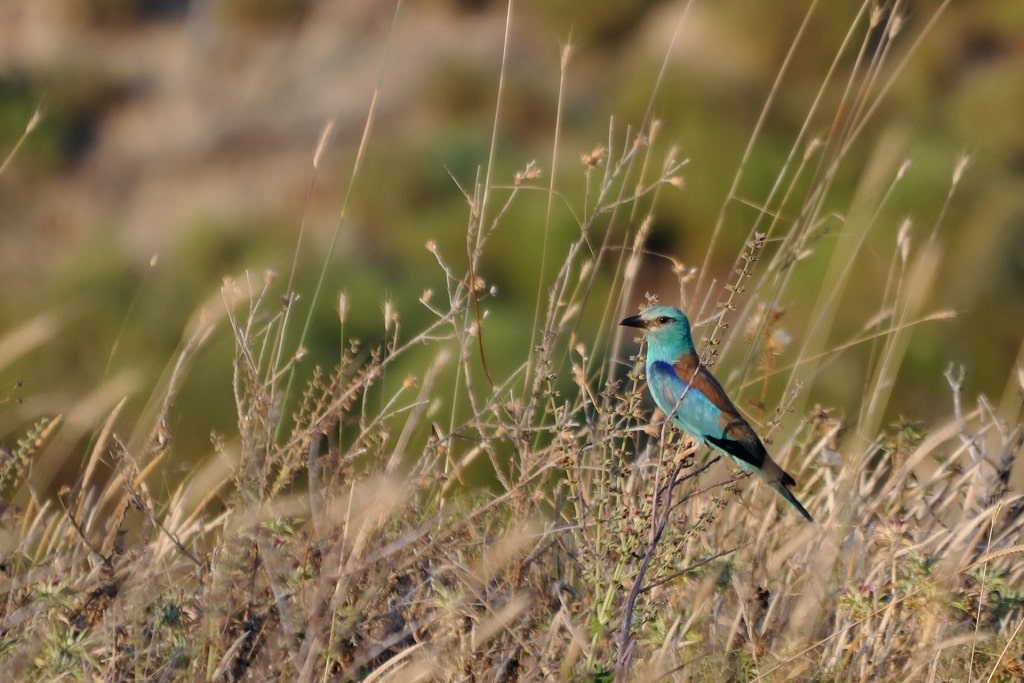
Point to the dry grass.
(337, 535)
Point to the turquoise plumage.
(696, 403)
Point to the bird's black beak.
(634, 321)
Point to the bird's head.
(667, 330)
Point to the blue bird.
(696, 403)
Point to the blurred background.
(176, 142)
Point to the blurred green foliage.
(961, 93)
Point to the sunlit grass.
(428, 508)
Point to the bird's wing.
(690, 400)
(688, 368)
(730, 433)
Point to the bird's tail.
(781, 487)
(750, 455)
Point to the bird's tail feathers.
(782, 489)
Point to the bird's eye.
(664, 320)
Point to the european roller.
(696, 403)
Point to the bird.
(691, 397)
